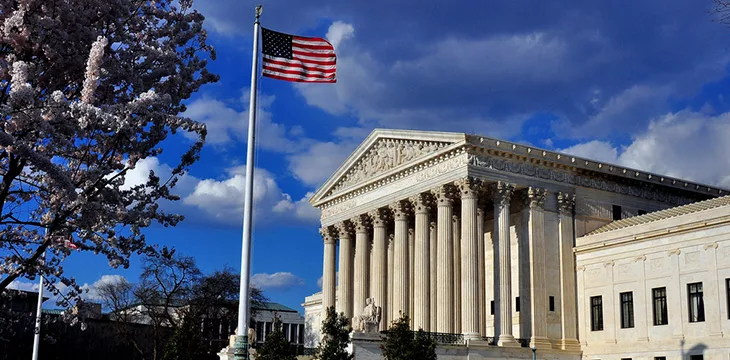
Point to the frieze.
(532, 170)
(404, 179)
(384, 155)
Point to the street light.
(534, 352)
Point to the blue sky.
(640, 83)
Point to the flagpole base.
(240, 347)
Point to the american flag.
(296, 58)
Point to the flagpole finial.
(259, 10)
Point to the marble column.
(362, 262)
(400, 258)
(328, 273)
(411, 276)
(379, 275)
(502, 192)
(445, 259)
(421, 270)
(391, 271)
(433, 267)
(456, 228)
(482, 273)
(569, 322)
(535, 201)
(469, 259)
(345, 272)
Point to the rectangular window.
(696, 357)
(660, 358)
(267, 329)
(259, 332)
(659, 296)
(285, 331)
(625, 358)
(627, 310)
(552, 303)
(491, 307)
(696, 303)
(517, 304)
(617, 212)
(727, 295)
(596, 313)
(301, 333)
(293, 333)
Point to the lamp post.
(534, 352)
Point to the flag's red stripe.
(299, 71)
(314, 47)
(304, 38)
(301, 63)
(300, 60)
(296, 74)
(307, 53)
(331, 80)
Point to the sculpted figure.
(369, 320)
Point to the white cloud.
(314, 165)
(337, 278)
(339, 31)
(89, 291)
(276, 281)
(221, 199)
(226, 124)
(685, 144)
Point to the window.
(552, 303)
(642, 212)
(293, 333)
(727, 295)
(627, 310)
(696, 357)
(617, 212)
(259, 332)
(517, 304)
(660, 358)
(660, 305)
(696, 303)
(625, 358)
(491, 307)
(301, 333)
(596, 313)
(285, 331)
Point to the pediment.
(384, 152)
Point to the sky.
(643, 84)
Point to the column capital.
(469, 187)
(401, 209)
(361, 223)
(422, 203)
(501, 192)
(534, 197)
(444, 195)
(379, 217)
(565, 202)
(433, 225)
(328, 234)
(344, 229)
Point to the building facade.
(657, 286)
(471, 235)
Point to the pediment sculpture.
(387, 154)
(369, 321)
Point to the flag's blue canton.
(277, 44)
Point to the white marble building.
(472, 235)
(657, 286)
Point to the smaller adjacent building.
(292, 323)
(657, 286)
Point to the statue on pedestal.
(369, 321)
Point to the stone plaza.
(475, 239)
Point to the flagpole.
(240, 348)
(37, 328)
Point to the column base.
(540, 343)
(569, 344)
(507, 341)
(472, 336)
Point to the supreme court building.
(478, 237)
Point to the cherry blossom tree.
(89, 88)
